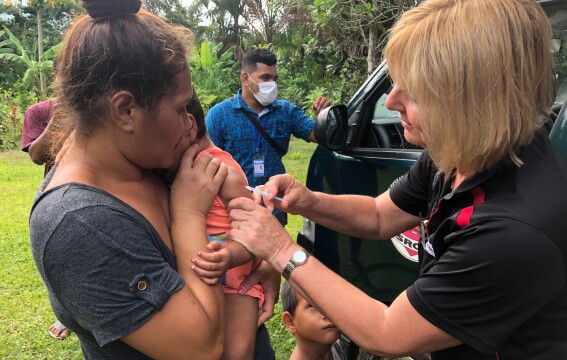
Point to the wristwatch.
(298, 258)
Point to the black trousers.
(264, 349)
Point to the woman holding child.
(104, 231)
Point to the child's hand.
(210, 266)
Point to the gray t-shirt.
(106, 269)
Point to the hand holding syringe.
(261, 192)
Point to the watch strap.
(287, 270)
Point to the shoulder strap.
(259, 127)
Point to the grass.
(25, 314)
(296, 163)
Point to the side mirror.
(330, 127)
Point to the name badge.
(259, 166)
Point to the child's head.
(195, 110)
(194, 129)
(304, 321)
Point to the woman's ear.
(123, 111)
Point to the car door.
(373, 158)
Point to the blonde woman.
(473, 85)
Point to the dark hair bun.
(103, 9)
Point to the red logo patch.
(407, 243)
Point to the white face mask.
(268, 91)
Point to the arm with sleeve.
(214, 123)
(104, 265)
(301, 124)
(36, 119)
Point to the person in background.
(230, 123)
(103, 231)
(36, 142)
(316, 336)
(473, 84)
(36, 131)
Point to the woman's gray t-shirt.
(106, 269)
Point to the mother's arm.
(192, 321)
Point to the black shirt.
(493, 271)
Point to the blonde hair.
(481, 74)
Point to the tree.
(264, 19)
(35, 68)
(233, 10)
(172, 11)
(213, 73)
(58, 14)
(40, 6)
(359, 26)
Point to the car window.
(558, 21)
(382, 115)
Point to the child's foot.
(59, 331)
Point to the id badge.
(258, 166)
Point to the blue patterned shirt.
(233, 132)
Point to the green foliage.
(27, 60)
(214, 73)
(205, 58)
(231, 10)
(21, 19)
(325, 71)
(172, 11)
(297, 155)
(13, 105)
(320, 44)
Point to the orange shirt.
(217, 218)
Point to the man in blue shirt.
(230, 127)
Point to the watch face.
(299, 256)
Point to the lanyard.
(257, 135)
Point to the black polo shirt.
(493, 271)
